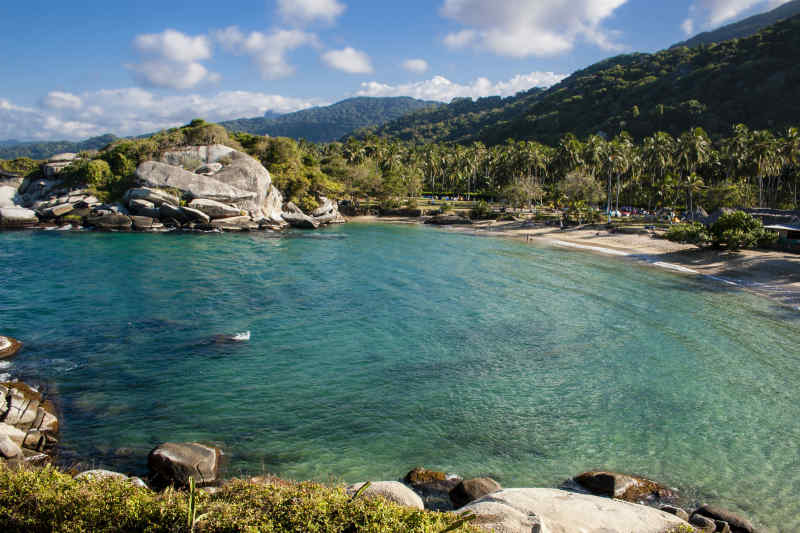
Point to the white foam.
(600, 249)
(677, 268)
(242, 337)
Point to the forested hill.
(745, 28)
(330, 123)
(44, 149)
(755, 81)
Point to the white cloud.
(523, 28)
(418, 66)
(348, 60)
(709, 14)
(172, 60)
(61, 100)
(441, 89)
(267, 50)
(310, 10)
(133, 111)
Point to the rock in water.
(738, 524)
(9, 347)
(473, 489)
(434, 487)
(296, 218)
(557, 511)
(17, 217)
(394, 491)
(110, 222)
(195, 215)
(215, 209)
(27, 420)
(624, 487)
(154, 196)
(175, 463)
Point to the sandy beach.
(769, 273)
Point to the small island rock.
(174, 463)
(738, 524)
(9, 347)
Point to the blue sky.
(71, 70)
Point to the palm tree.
(693, 150)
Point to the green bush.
(51, 501)
(694, 233)
(481, 211)
(738, 230)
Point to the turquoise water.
(378, 348)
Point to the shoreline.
(771, 274)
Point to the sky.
(72, 70)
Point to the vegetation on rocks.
(52, 501)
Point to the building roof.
(781, 227)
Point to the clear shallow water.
(378, 348)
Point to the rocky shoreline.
(595, 501)
(208, 188)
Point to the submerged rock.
(557, 511)
(738, 524)
(174, 463)
(394, 491)
(624, 487)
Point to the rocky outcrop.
(473, 489)
(273, 206)
(28, 423)
(174, 463)
(9, 347)
(557, 511)
(328, 212)
(112, 222)
(297, 219)
(17, 217)
(243, 223)
(161, 175)
(195, 215)
(215, 209)
(624, 487)
(153, 196)
(394, 491)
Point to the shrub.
(737, 230)
(694, 233)
(481, 211)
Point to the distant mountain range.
(753, 80)
(745, 28)
(41, 150)
(330, 123)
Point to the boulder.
(60, 210)
(557, 511)
(624, 487)
(9, 347)
(246, 174)
(137, 204)
(13, 434)
(328, 212)
(17, 217)
(8, 196)
(87, 201)
(273, 206)
(242, 223)
(296, 218)
(738, 524)
(325, 207)
(677, 511)
(215, 209)
(160, 175)
(10, 451)
(154, 196)
(174, 463)
(703, 524)
(472, 489)
(110, 222)
(394, 491)
(448, 220)
(434, 487)
(202, 154)
(146, 223)
(25, 411)
(195, 215)
(167, 211)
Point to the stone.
(204, 154)
(10, 451)
(722, 526)
(167, 211)
(737, 523)
(273, 206)
(13, 434)
(159, 175)
(242, 223)
(175, 463)
(154, 196)
(433, 486)
(297, 219)
(100, 474)
(25, 409)
(209, 169)
(17, 217)
(215, 209)
(447, 220)
(472, 489)
(623, 487)
(145, 223)
(9, 347)
(60, 210)
(88, 201)
(703, 524)
(677, 511)
(9, 196)
(328, 212)
(110, 222)
(394, 491)
(558, 511)
(195, 215)
(138, 204)
(325, 207)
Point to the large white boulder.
(13, 217)
(8, 196)
(203, 154)
(394, 491)
(161, 175)
(558, 511)
(215, 209)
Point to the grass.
(51, 501)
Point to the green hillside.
(330, 123)
(45, 149)
(745, 28)
(753, 81)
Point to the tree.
(693, 150)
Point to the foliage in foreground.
(51, 501)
